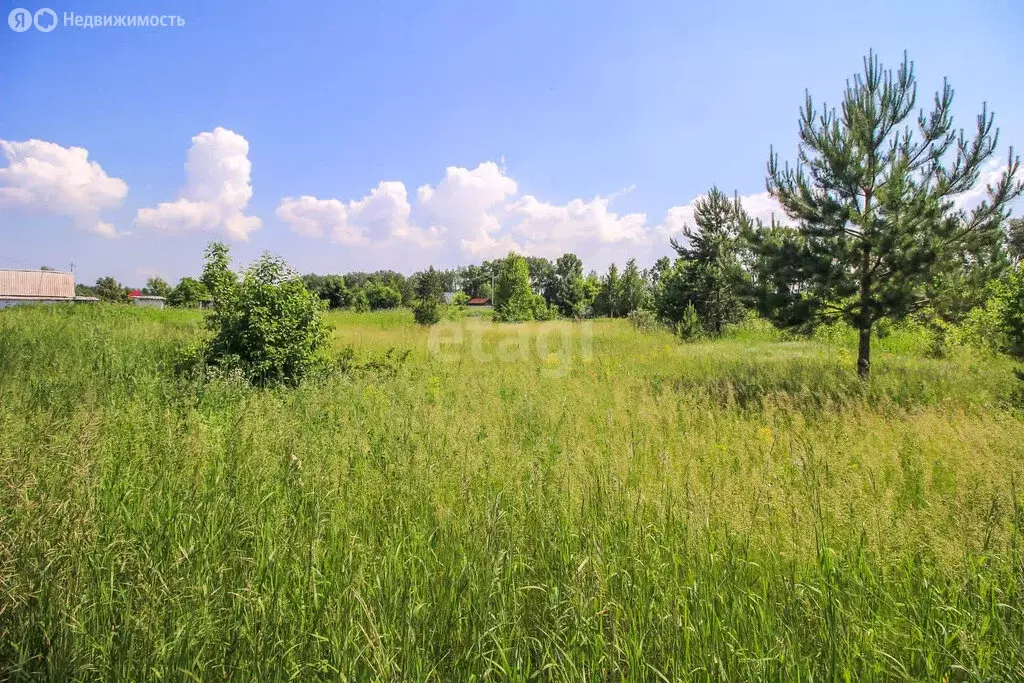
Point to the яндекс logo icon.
(19, 19)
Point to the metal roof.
(49, 284)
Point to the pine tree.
(874, 196)
(776, 260)
(1014, 239)
(708, 273)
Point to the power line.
(14, 260)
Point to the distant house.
(448, 297)
(145, 300)
(38, 287)
(479, 301)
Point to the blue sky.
(541, 126)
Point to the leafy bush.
(460, 300)
(109, 289)
(1010, 302)
(643, 319)
(427, 312)
(541, 309)
(982, 327)
(268, 325)
(380, 296)
(188, 293)
(360, 302)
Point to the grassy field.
(481, 501)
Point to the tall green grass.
(621, 507)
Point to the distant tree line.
(874, 231)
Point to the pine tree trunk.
(864, 353)
(864, 319)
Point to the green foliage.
(460, 300)
(330, 288)
(568, 289)
(380, 297)
(429, 290)
(1014, 240)
(187, 293)
(776, 258)
(606, 300)
(707, 276)
(1009, 302)
(427, 312)
(644, 319)
(109, 289)
(688, 327)
(268, 326)
(475, 281)
(634, 290)
(334, 291)
(429, 285)
(219, 280)
(360, 301)
(872, 193)
(514, 300)
(156, 286)
(542, 310)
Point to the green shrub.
(981, 328)
(360, 302)
(1010, 302)
(267, 325)
(188, 293)
(427, 312)
(643, 319)
(380, 297)
(541, 310)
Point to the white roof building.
(38, 287)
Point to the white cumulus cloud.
(379, 218)
(466, 207)
(552, 229)
(760, 206)
(43, 176)
(988, 176)
(473, 213)
(216, 191)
